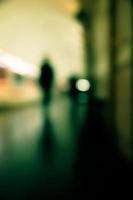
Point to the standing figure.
(46, 80)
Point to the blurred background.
(66, 98)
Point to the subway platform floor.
(58, 152)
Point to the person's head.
(45, 63)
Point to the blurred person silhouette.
(73, 90)
(46, 80)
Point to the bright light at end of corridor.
(83, 85)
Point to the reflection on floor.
(45, 152)
(37, 148)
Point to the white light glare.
(16, 65)
(83, 85)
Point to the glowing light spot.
(83, 85)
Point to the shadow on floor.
(100, 169)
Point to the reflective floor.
(38, 147)
(58, 151)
